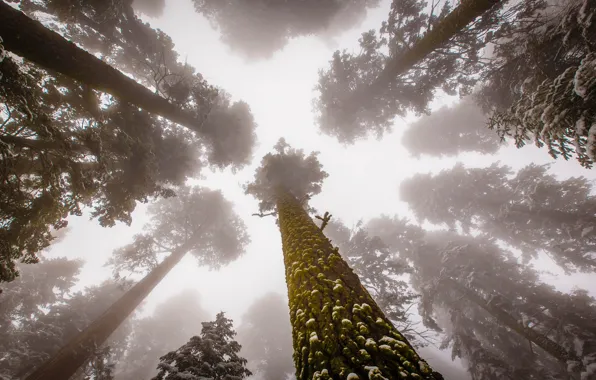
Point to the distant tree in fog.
(257, 29)
(40, 312)
(400, 68)
(381, 272)
(153, 335)
(211, 355)
(495, 313)
(450, 131)
(541, 85)
(530, 210)
(196, 220)
(266, 337)
(337, 328)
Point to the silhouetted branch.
(261, 215)
(326, 218)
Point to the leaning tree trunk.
(78, 351)
(337, 328)
(31, 40)
(443, 31)
(542, 341)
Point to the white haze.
(363, 181)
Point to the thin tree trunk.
(78, 351)
(337, 327)
(31, 40)
(542, 341)
(454, 22)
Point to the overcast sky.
(363, 179)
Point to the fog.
(138, 247)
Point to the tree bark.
(31, 40)
(337, 327)
(542, 341)
(78, 351)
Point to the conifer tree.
(400, 68)
(212, 355)
(532, 210)
(540, 82)
(450, 131)
(41, 312)
(488, 307)
(338, 330)
(152, 336)
(197, 221)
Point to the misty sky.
(363, 179)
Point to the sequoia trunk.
(337, 328)
(76, 352)
(31, 40)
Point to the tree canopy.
(531, 210)
(211, 355)
(288, 169)
(257, 29)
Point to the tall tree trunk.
(338, 330)
(542, 341)
(31, 40)
(79, 350)
(454, 22)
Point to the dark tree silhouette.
(337, 328)
(107, 158)
(197, 221)
(212, 355)
(450, 131)
(400, 68)
(257, 29)
(85, 153)
(266, 337)
(532, 211)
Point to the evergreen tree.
(257, 29)
(266, 338)
(65, 145)
(532, 210)
(486, 303)
(189, 103)
(153, 335)
(337, 328)
(400, 68)
(197, 221)
(540, 84)
(107, 158)
(212, 355)
(41, 312)
(450, 131)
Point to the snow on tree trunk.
(337, 328)
(79, 350)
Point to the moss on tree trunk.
(338, 330)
